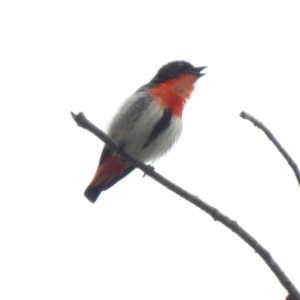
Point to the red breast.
(174, 93)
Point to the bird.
(147, 125)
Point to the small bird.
(148, 123)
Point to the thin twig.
(272, 138)
(81, 121)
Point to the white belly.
(133, 131)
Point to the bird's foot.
(150, 169)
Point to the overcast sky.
(139, 240)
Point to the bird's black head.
(174, 69)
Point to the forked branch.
(83, 122)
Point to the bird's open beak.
(197, 71)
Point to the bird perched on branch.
(148, 123)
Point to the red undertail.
(108, 173)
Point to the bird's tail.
(108, 173)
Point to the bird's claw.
(150, 169)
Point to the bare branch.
(270, 135)
(81, 121)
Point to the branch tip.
(243, 115)
(272, 138)
(80, 119)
